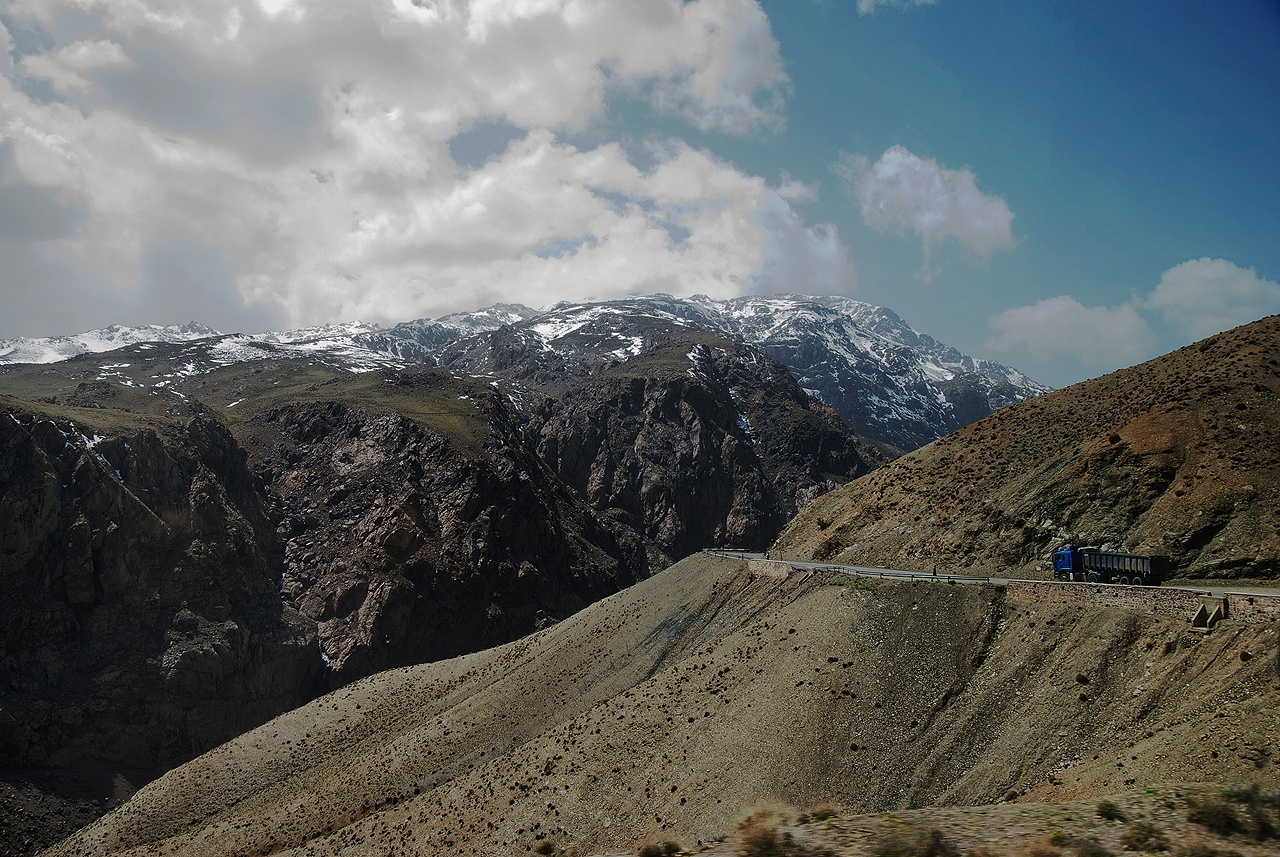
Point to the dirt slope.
(1178, 456)
(668, 710)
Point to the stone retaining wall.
(769, 568)
(1253, 608)
(1154, 600)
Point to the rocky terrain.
(1152, 820)
(139, 606)
(395, 516)
(1177, 456)
(894, 387)
(687, 437)
(672, 710)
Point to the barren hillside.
(670, 709)
(1177, 456)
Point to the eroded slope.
(667, 710)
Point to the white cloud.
(66, 66)
(1061, 328)
(902, 191)
(308, 145)
(866, 7)
(1206, 296)
(799, 258)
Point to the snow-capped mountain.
(54, 348)
(894, 386)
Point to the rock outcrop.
(720, 449)
(406, 545)
(138, 600)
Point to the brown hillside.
(1178, 456)
(669, 710)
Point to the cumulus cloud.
(1206, 296)
(408, 158)
(902, 191)
(799, 258)
(1061, 328)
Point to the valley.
(443, 588)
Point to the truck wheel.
(1138, 581)
(1093, 577)
(1124, 580)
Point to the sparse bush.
(1144, 836)
(1091, 848)
(1258, 822)
(1114, 438)
(761, 841)
(1214, 813)
(1060, 839)
(545, 847)
(1108, 810)
(931, 844)
(1043, 851)
(822, 812)
(1204, 851)
(665, 849)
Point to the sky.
(1065, 188)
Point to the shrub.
(1204, 851)
(666, 849)
(761, 841)
(1114, 438)
(1108, 810)
(1215, 814)
(931, 844)
(1144, 836)
(1091, 848)
(545, 847)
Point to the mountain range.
(895, 388)
(459, 566)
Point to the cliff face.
(140, 615)
(405, 545)
(1177, 456)
(720, 450)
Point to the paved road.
(862, 571)
(1216, 589)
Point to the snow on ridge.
(51, 349)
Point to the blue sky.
(1066, 188)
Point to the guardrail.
(859, 571)
(1252, 607)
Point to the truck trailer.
(1098, 566)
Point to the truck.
(1094, 565)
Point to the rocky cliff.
(406, 544)
(1177, 456)
(139, 606)
(694, 440)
